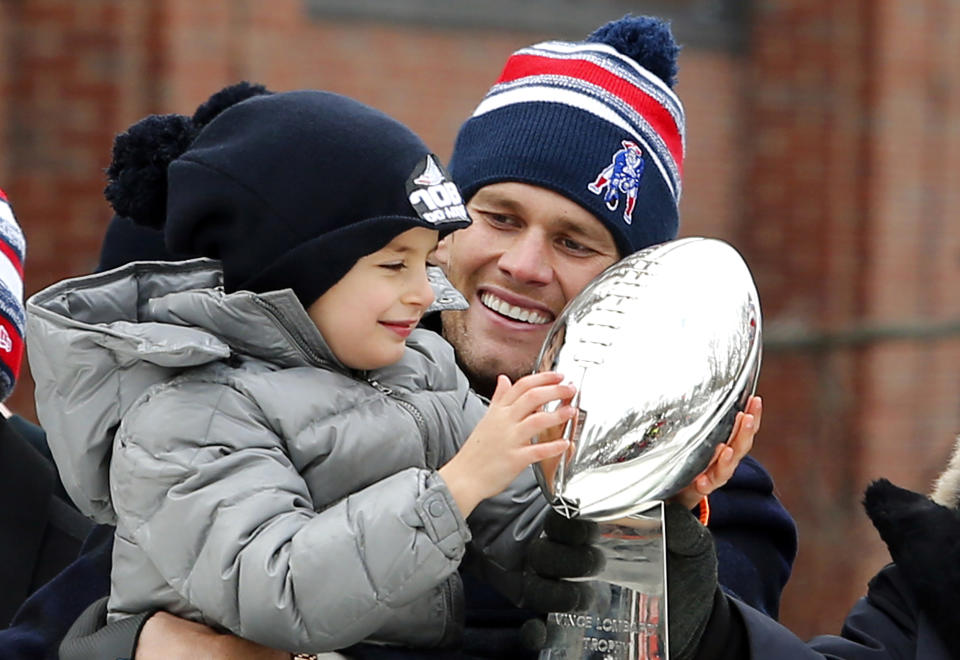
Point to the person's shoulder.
(748, 499)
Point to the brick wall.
(848, 226)
(825, 151)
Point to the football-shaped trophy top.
(664, 348)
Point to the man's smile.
(514, 312)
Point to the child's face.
(367, 315)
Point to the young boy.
(283, 453)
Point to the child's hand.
(499, 447)
(726, 457)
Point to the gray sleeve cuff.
(444, 523)
(89, 638)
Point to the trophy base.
(632, 624)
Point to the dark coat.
(755, 537)
(887, 624)
(45, 617)
(40, 531)
(910, 610)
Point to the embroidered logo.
(433, 195)
(6, 344)
(621, 177)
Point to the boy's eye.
(394, 265)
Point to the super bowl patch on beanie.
(287, 190)
(13, 248)
(596, 121)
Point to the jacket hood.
(97, 343)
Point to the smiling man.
(572, 161)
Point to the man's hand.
(166, 637)
(726, 457)
(565, 551)
(161, 637)
(691, 579)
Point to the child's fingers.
(536, 397)
(742, 442)
(502, 389)
(535, 453)
(755, 408)
(539, 422)
(527, 383)
(737, 424)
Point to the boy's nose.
(421, 294)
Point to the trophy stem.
(630, 621)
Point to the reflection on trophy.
(664, 348)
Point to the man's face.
(528, 251)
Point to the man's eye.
(573, 246)
(501, 220)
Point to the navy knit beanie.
(595, 121)
(126, 241)
(287, 190)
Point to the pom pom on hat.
(225, 98)
(137, 175)
(596, 121)
(12, 317)
(646, 40)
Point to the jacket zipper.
(412, 409)
(317, 359)
(312, 356)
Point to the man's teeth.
(512, 311)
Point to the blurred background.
(823, 140)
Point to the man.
(534, 164)
(540, 234)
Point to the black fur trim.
(225, 98)
(137, 176)
(924, 540)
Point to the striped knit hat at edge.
(12, 251)
(596, 121)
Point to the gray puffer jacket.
(257, 484)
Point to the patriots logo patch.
(621, 177)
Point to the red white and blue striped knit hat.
(596, 121)
(12, 251)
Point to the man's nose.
(527, 259)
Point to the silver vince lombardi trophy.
(664, 348)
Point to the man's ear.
(441, 256)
